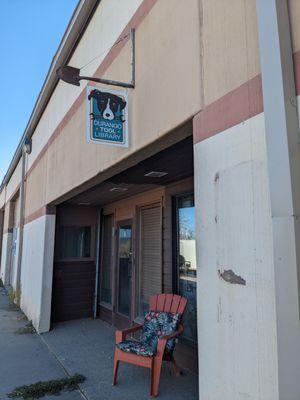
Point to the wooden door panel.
(73, 290)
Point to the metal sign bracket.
(72, 75)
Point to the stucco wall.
(230, 46)
(8, 257)
(2, 198)
(240, 353)
(8, 216)
(230, 58)
(36, 272)
(237, 323)
(294, 12)
(110, 18)
(14, 182)
(5, 257)
(167, 93)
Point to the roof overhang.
(75, 29)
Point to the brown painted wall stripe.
(235, 107)
(46, 210)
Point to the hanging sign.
(107, 116)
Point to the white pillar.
(37, 271)
(7, 242)
(6, 256)
(236, 321)
(283, 155)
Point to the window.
(74, 242)
(186, 267)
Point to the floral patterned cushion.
(156, 324)
(137, 347)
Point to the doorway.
(133, 250)
(116, 271)
(74, 263)
(131, 257)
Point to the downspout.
(26, 149)
(98, 258)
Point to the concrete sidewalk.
(82, 346)
(24, 359)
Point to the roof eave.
(76, 27)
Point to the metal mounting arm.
(72, 75)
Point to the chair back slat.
(182, 305)
(168, 302)
(175, 303)
(153, 302)
(161, 298)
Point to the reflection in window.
(106, 267)
(186, 261)
(74, 242)
(125, 265)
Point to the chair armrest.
(162, 341)
(173, 335)
(121, 334)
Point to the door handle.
(130, 265)
(129, 269)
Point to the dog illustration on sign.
(109, 105)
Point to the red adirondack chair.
(162, 302)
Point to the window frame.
(74, 259)
(103, 303)
(175, 239)
(175, 251)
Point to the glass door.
(106, 275)
(186, 267)
(124, 268)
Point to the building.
(212, 164)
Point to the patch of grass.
(14, 307)
(22, 318)
(11, 300)
(28, 328)
(41, 389)
(11, 295)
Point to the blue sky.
(30, 32)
